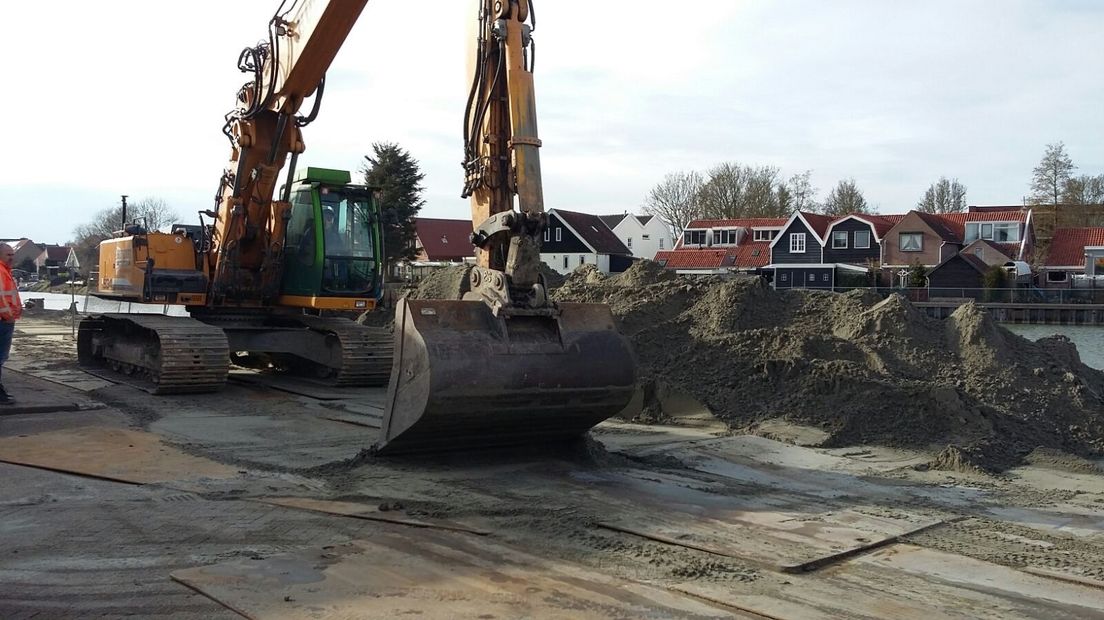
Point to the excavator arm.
(304, 36)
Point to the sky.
(128, 97)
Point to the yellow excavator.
(504, 365)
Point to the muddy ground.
(687, 518)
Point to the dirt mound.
(860, 368)
(445, 283)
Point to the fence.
(992, 295)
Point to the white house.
(643, 235)
(574, 239)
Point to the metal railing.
(992, 295)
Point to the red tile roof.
(746, 222)
(747, 256)
(753, 254)
(697, 259)
(444, 239)
(593, 231)
(1067, 246)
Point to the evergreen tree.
(396, 173)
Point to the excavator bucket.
(464, 378)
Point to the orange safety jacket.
(11, 308)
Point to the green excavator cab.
(333, 247)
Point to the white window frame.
(547, 235)
(838, 235)
(629, 244)
(865, 234)
(971, 232)
(565, 261)
(988, 236)
(763, 235)
(645, 237)
(825, 278)
(919, 237)
(726, 236)
(1013, 229)
(797, 243)
(784, 277)
(661, 243)
(812, 277)
(559, 234)
(582, 259)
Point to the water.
(1088, 338)
(60, 301)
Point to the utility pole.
(123, 227)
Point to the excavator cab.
(333, 245)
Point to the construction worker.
(11, 308)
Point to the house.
(55, 260)
(1073, 252)
(855, 240)
(442, 241)
(930, 239)
(574, 239)
(644, 235)
(797, 253)
(26, 251)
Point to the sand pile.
(863, 369)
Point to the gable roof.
(612, 220)
(56, 252)
(1067, 246)
(881, 224)
(643, 219)
(443, 239)
(979, 265)
(592, 231)
(816, 223)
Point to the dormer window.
(694, 237)
(1000, 232)
(764, 235)
(725, 237)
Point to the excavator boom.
(505, 365)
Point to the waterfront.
(1088, 338)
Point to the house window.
(755, 252)
(630, 243)
(726, 237)
(971, 232)
(661, 243)
(565, 260)
(1056, 276)
(785, 277)
(812, 277)
(825, 277)
(582, 259)
(862, 239)
(987, 231)
(839, 240)
(645, 237)
(694, 237)
(764, 235)
(547, 234)
(558, 235)
(1006, 232)
(797, 243)
(912, 242)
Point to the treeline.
(732, 190)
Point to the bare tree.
(1050, 176)
(734, 190)
(845, 197)
(1084, 190)
(675, 200)
(943, 196)
(153, 213)
(802, 193)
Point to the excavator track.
(156, 353)
(366, 352)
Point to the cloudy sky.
(128, 97)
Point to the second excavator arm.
(502, 159)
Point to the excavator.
(504, 365)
